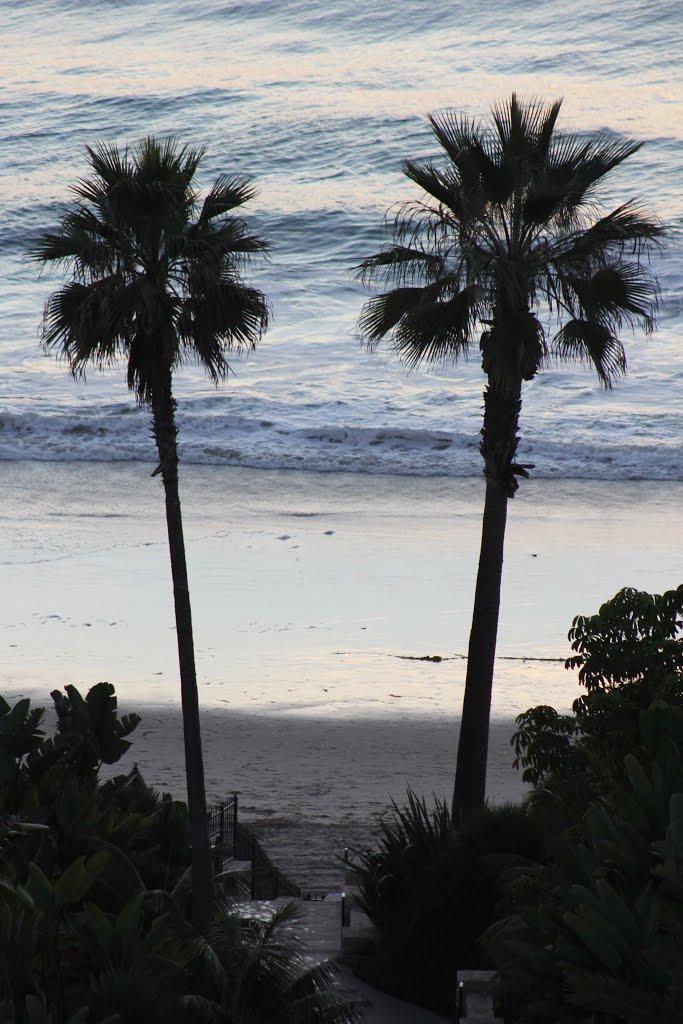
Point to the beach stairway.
(318, 923)
(330, 925)
(238, 853)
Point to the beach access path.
(319, 927)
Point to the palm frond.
(382, 312)
(401, 263)
(226, 193)
(227, 243)
(578, 166)
(545, 129)
(601, 154)
(617, 295)
(437, 331)
(260, 971)
(111, 166)
(151, 360)
(456, 133)
(479, 172)
(165, 164)
(588, 342)
(83, 243)
(316, 995)
(85, 324)
(220, 316)
(200, 1008)
(238, 245)
(627, 229)
(525, 129)
(433, 181)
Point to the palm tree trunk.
(165, 434)
(470, 775)
(498, 448)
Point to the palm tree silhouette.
(155, 277)
(510, 244)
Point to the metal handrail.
(231, 840)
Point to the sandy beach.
(314, 597)
(312, 786)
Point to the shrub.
(431, 891)
(54, 781)
(629, 657)
(94, 895)
(597, 933)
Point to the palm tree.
(509, 243)
(155, 277)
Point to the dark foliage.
(53, 781)
(630, 661)
(431, 891)
(596, 934)
(95, 897)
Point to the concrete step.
(236, 867)
(319, 924)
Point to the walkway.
(319, 926)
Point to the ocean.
(319, 103)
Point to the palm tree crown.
(154, 275)
(510, 228)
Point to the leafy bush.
(431, 891)
(54, 781)
(94, 895)
(597, 933)
(629, 658)
(634, 638)
(584, 846)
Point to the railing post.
(253, 868)
(216, 847)
(234, 825)
(221, 836)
